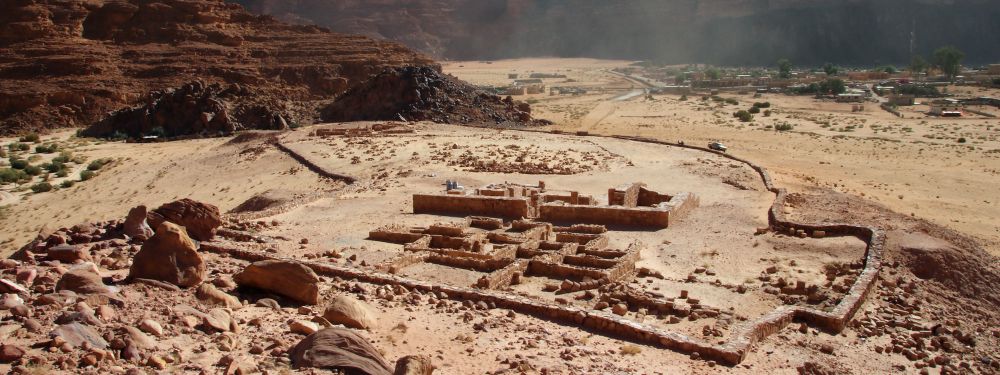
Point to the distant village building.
(900, 100)
(946, 108)
(851, 97)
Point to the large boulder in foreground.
(200, 219)
(170, 256)
(287, 278)
(83, 278)
(350, 312)
(339, 349)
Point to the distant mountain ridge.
(729, 32)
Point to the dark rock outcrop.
(425, 94)
(70, 62)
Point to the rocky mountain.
(731, 32)
(70, 62)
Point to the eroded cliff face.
(70, 62)
(715, 31)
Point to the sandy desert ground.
(933, 310)
(913, 165)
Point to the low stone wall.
(681, 205)
(582, 228)
(509, 208)
(504, 277)
(626, 195)
(562, 271)
(313, 167)
(642, 217)
(481, 265)
(391, 236)
(398, 263)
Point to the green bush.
(54, 167)
(17, 146)
(762, 105)
(67, 184)
(46, 149)
(33, 138)
(11, 175)
(87, 174)
(63, 158)
(754, 110)
(98, 164)
(62, 173)
(743, 115)
(18, 163)
(732, 101)
(962, 140)
(684, 97)
(33, 170)
(41, 187)
(767, 113)
(783, 127)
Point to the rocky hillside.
(852, 32)
(70, 62)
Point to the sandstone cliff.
(70, 62)
(852, 32)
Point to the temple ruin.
(630, 205)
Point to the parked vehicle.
(718, 146)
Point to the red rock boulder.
(200, 219)
(170, 256)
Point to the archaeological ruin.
(630, 205)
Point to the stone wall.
(651, 198)
(641, 217)
(625, 195)
(503, 207)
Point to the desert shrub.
(11, 175)
(762, 104)
(41, 187)
(62, 173)
(18, 163)
(962, 140)
(33, 138)
(98, 164)
(743, 115)
(67, 184)
(87, 174)
(33, 170)
(684, 97)
(783, 127)
(54, 167)
(767, 113)
(46, 149)
(732, 101)
(63, 158)
(754, 110)
(17, 146)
